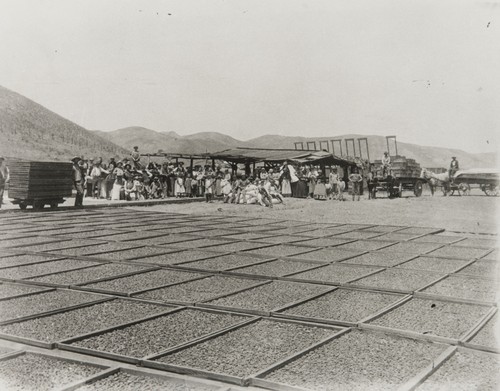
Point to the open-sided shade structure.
(265, 155)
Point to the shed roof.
(256, 155)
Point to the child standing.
(356, 179)
(179, 185)
(226, 189)
(328, 189)
(188, 185)
(209, 187)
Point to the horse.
(435, 179)
(433, 183)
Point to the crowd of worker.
(130, 179)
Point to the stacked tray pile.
(37, 179)
(400, 167)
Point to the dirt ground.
(476, 213)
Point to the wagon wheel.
(491, 190)
(464, 189)
(417, 190)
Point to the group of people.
(129, 179)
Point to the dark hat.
(128, 165)
(74, 160)
(453, 157)
(135, 147)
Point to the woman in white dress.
(118, 183)
(179, 186)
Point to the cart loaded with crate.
(39, 183)
(403, 174)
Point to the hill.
(147, 139)
(425, 155)
(31, 131)
(151, 141)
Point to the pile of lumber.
(40, 180)
(400, 167)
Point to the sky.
(427, 71)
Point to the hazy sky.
(426, 71)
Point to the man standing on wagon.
(386, 164)
(453, 168)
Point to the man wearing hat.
(453, 167)
(78, 179)
(136, 158)
(4, 177)
(386, 164)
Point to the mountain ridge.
(202, 142)
(31, 131)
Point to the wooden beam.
(339, 144)
(350, 141)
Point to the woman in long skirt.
(188, 185)
(218, 184)
(179, 186)
(117, 188)
(286, 188)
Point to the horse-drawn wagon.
(485, 179)
(394, 186)
(488, 180)
(403, 175)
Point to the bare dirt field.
(475, 213)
